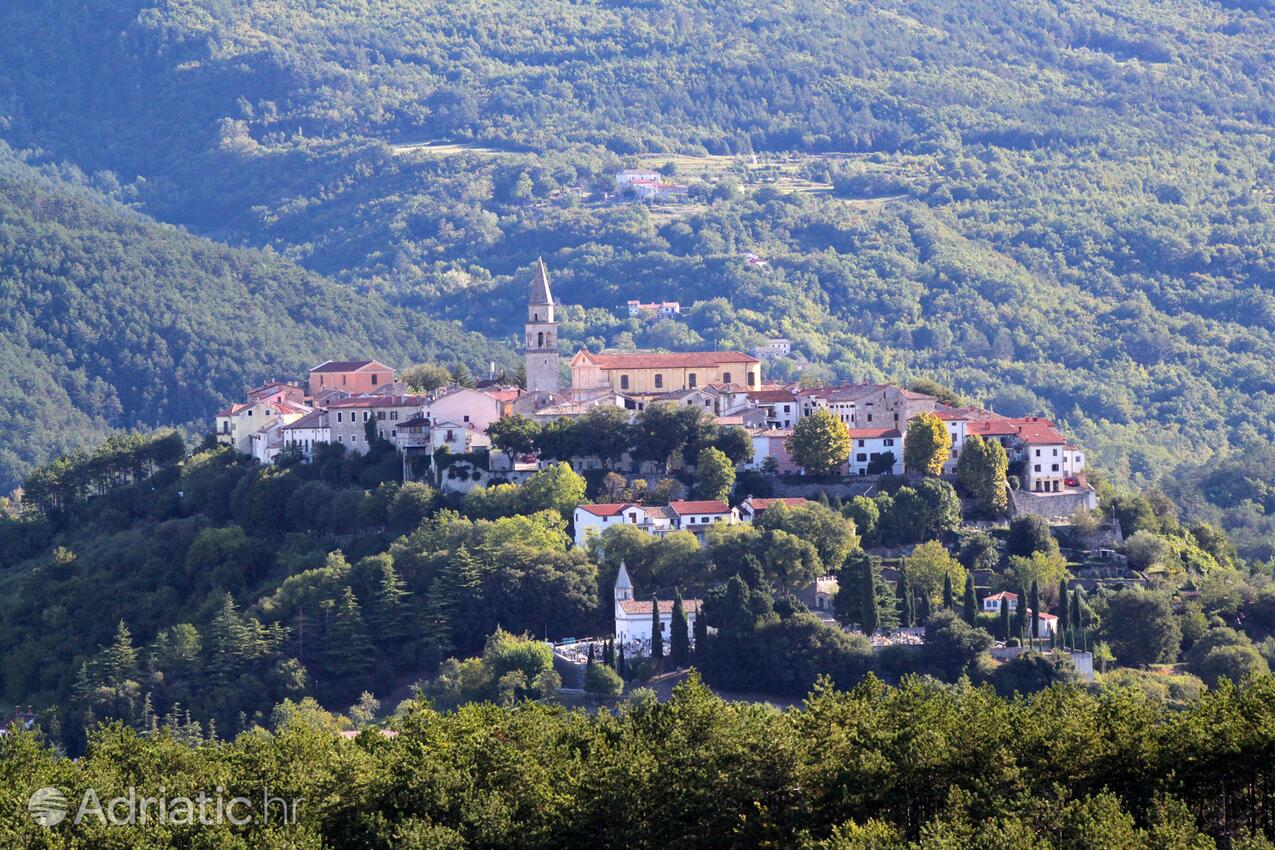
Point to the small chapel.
(633, 618)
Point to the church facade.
(633, 618)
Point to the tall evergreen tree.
(701, 637)
(970, 603)
(1004, 620)
(923, 609)
(1078, 620)
(657, 636)
(679, 638)
(388, 617)
(903, 593)
(620, 666)
(1020, 613)
(1034, 602)
(348, 654)
(868, 616)
(948, 602)
(1064, 608)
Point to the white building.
(870, 445)
(659, 309)
(592, 520)
(633, 617)
(466, 406)
(307, 432)
(629, 175)
(774, 347)
(236, 424)
(751, 509)
(993, 602)
(697, 515)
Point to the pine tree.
(948, 602)
(903, 593)
(348, 654)
(680, 638)
(457, 581)
(388, 617)
(657, 636)
(970, 602)
(923, 609)
(1004, 619)
(868, 616)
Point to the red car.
(1071, 482)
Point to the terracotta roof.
(707, 506)
(771, 432)
(666, 360)
(772, 395)
(608, 508)
(233, 409)
(762, 504)
(1004, 594)
(348, 365)
(503, 393)
(991, 427)
(1036, 430)
(639, 606)
(872, 433)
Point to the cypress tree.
(923, 609)
(903, 593)
(948, 602)
(589, 663)
(1064, 612)
(869, 618)
(657, 636)
(1004, 621)
(1020, 613)
(620, 666)
(1035, 606)
(608, 654)
(680, 638)
(701, 635)
(970, 602)
(1078, 619)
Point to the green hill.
(109, 320)
(1059, 207)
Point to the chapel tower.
(541, 351)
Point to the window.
(338, 416)
(466, 417)
(1037, 467)
(449, 435)
(869, 417)
(752, 379)
(659, 381)
(787, 408)
(1055, 467)
(340, 439)
(861, 457)
(374, 378)
(888, 441)
(691, 380)
(540, 340)
(393, 415)
(1055, 452)
(1037, 452)
(861, 444)
(726, 377)
(624, 382)
(380, 415)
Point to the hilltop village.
(341, 399)
(637, 423)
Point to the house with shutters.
(876, 451)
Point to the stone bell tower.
(541, 351)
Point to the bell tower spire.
(540, 352)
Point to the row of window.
(692, 380)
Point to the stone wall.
(1050, 505)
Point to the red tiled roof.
(708, 506)
(667, 360)
(608, 508)
(1036, 430)
(991, 427)
(1004, 594)
(348, 365)
(772, 395)
(640, 606)
(233, 409)
(313, 419)
(504, 393)
(762, 504)
(872, 433)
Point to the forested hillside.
(109, 320)
(1060, 207)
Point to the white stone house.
(695, 516)
(593, 520)
(993, 602)
(867, 445)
